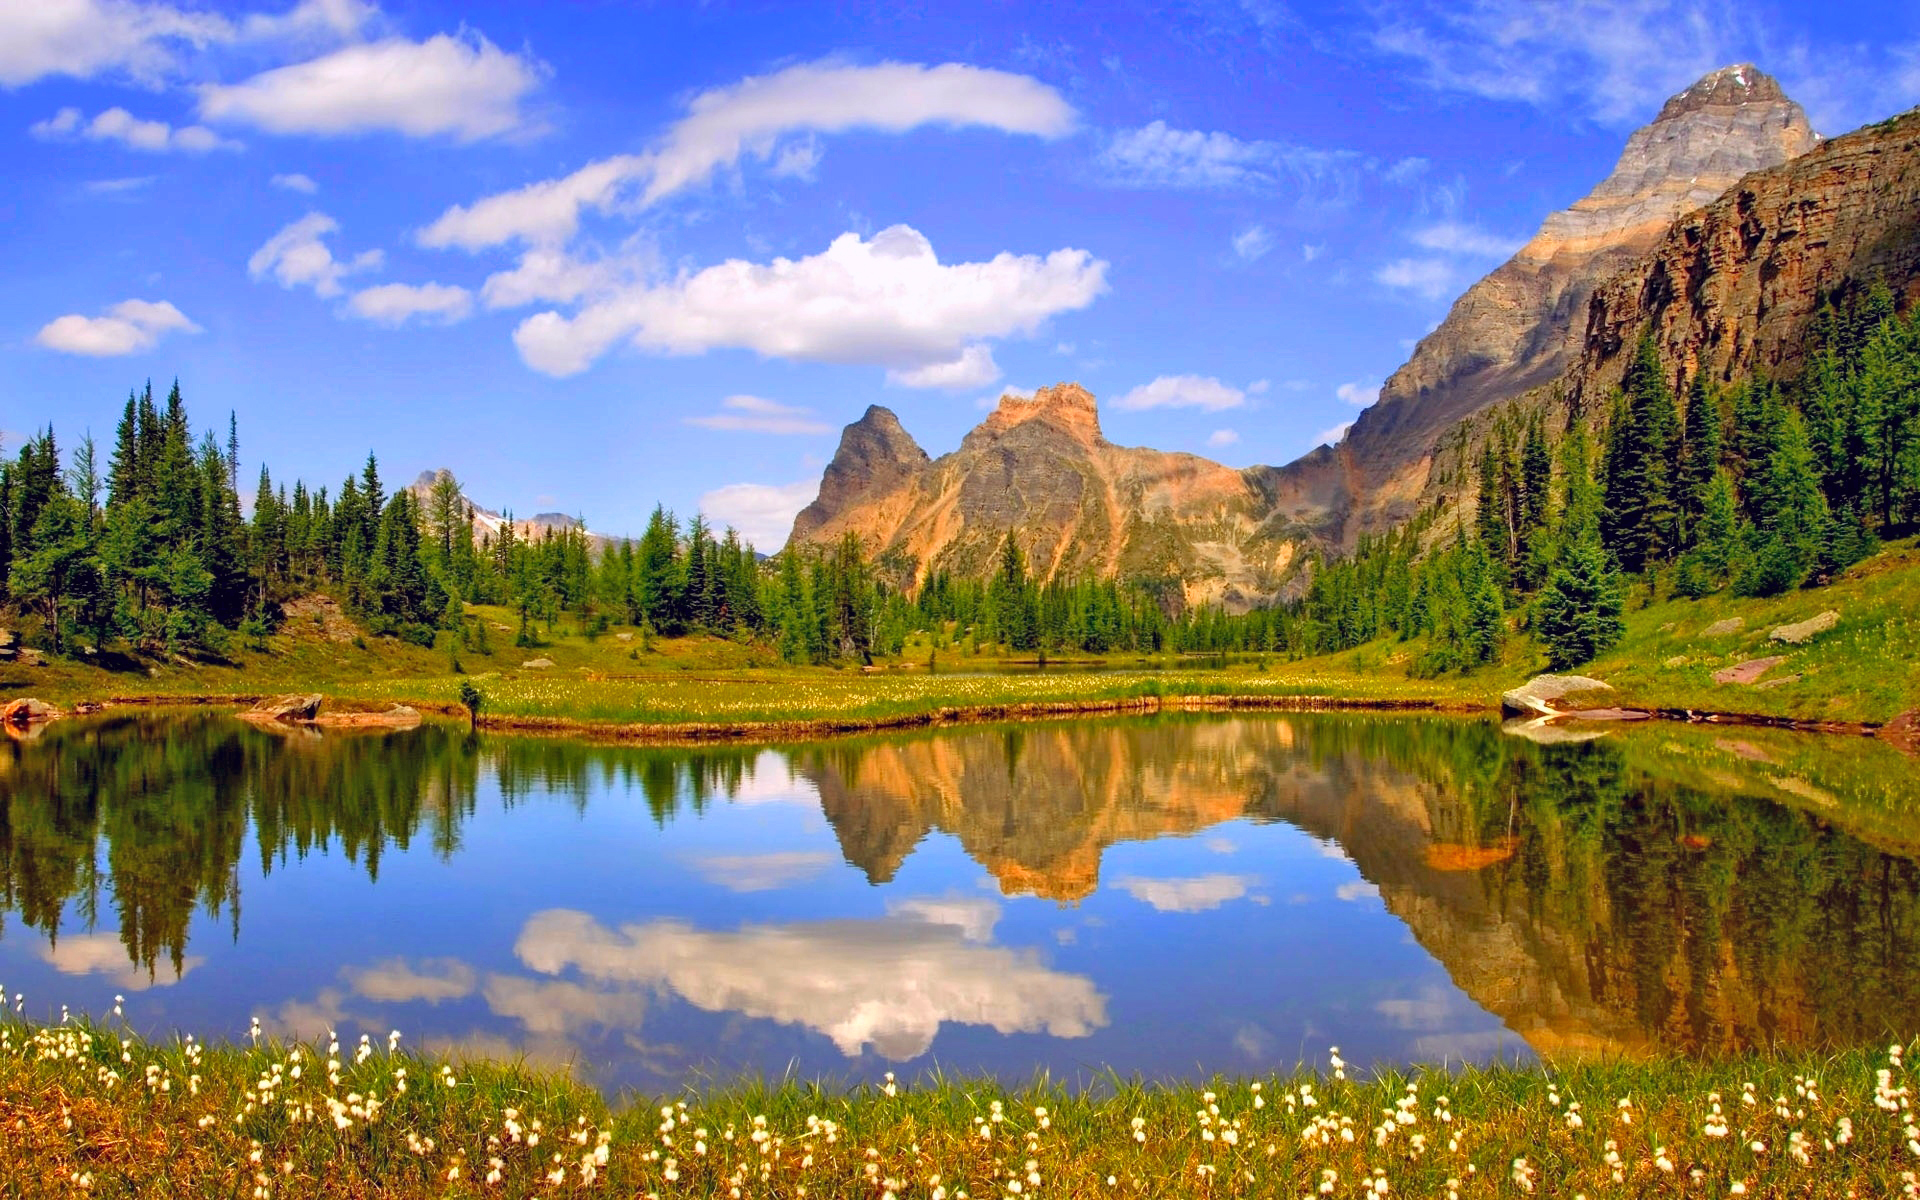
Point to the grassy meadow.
(93, 1110)
(1865, 670)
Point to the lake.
(1173, 896)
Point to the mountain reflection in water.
(1171, 895)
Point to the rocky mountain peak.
(1067, 407)
(876, 455)
(1729, 87)
(1521, 326)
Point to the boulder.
(1722, 628)
(537, 664)
(400, 716)
(9, 644)
(1539, 693)
(1782, 681)
(27, 657)
(1748, 671)
(1802, 632)
(28, 711)
(291, 707)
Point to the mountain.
(1522, 326)
(488, 522)
(1077, 504)
(1041, 468)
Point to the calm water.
(1172, 897)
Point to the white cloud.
(1259, 387)
(127, 327)
(1429, 278)
(886, 301)
(119, 186)
(119, 125)
(1357, 890)
(1360, 395)
(397, 981)
(763, 872)
(1157, 155)
(88, 38)
(762, 512)
(972, 369)
(296, 257)
(1198, 894)
(750, 118)
(889, 983)
(295, 182)
(559, 1007)
(1183, 391)
(1616, 60)
(543, 213)
(464, 87)
(1253, 242)
(397, 303)
(85, 38)
(752, 414)
(1451, 237)
(1222, 438)
(1333, 436)
(105, 954)
(554, 276)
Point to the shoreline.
(694, 733)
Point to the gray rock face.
(1801, 632)
(1522, 325)
(876, 456)
(1722, 628)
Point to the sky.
(597, 256)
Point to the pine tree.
(1699, 455)
(1578, 612)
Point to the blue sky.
(594, 256)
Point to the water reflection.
(1160, 895)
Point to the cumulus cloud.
(1253, 242)
(126, 328)
(762, 512)
(552, 276)
(1452, 237)
(1429, 278)
(296, 257)
(396, 981)
(762, 872)
(1222, 438)
(85, 38)
(1357, 890)
(1198, 894)
(887, 301)
(295, 182)
(1158, 155)
(750, 119)
(1183, 391)
(461, 86)
(974, 367)
(395, 304)
(752, 414)
(104, 954)
(1333, 436)
(1360, 395)
(89, 38)
(558, 1007)
(119, 125)
(889, 983)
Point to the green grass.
(85, 1111)
(1866, 670)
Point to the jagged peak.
(1729, 87)
(1066, 406)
